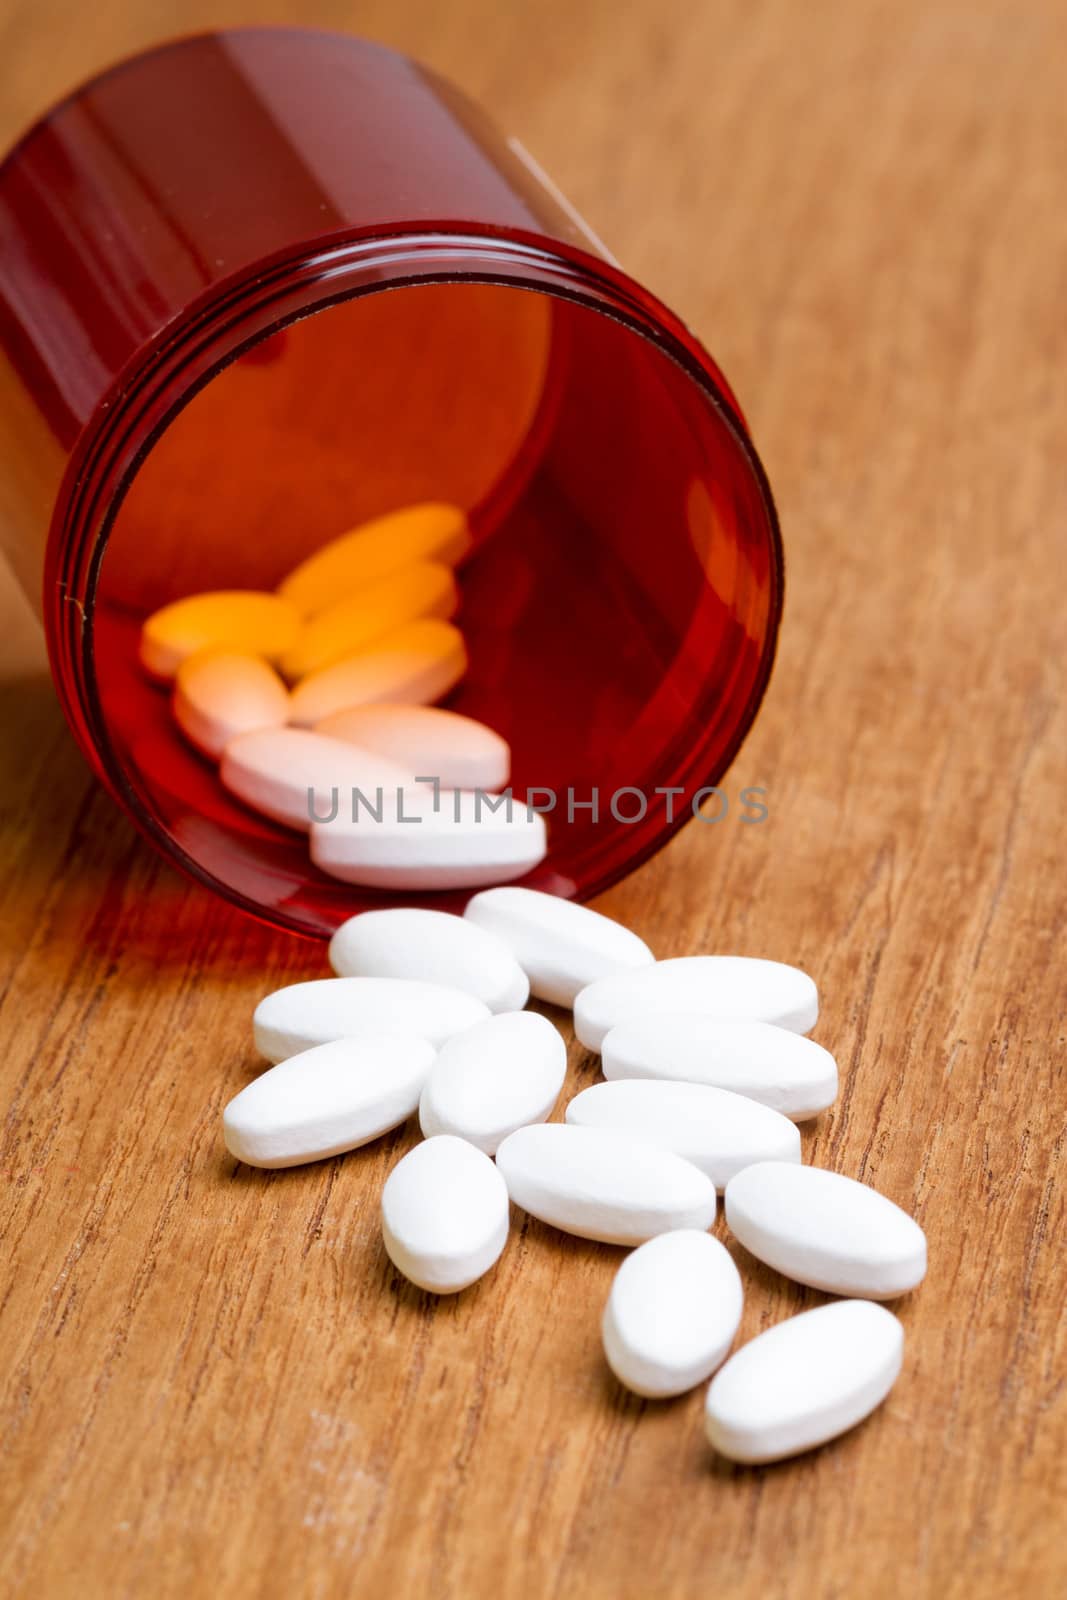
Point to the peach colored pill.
(242, 620)
(219, 694)
(429, 531)
(459, 751)
(426, 589)
(288, 774)
(417, 663)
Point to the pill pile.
(317, 703)
(707, 1072)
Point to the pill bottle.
(259, 285)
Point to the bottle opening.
(619, 602)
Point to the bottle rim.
(235, 314)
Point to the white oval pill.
(426, 589)
(419, 663)
(826, 1230)
(804, 1381)
(731, 988)
(219, 694)
(326, 1100)
(286, 772)
(306, 1014)
(428, 531)
(444, 1215)
(561, 946)
(408, 942)
(717, 1131)
(603, 1185)
(672, 1313)
(459, 752)
(234, 619)
(460, 844)
(493, 1078)
(776, 1066)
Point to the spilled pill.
(419, 662)
(826, 1230)
(717, 1131)
(219, 694)
(408, 942)
(603, 1185)
(804, 1381)
(493, 1078)
(444, 1215)
(672, 1313)
(457, 839)
(237, 619)
(305, 1014)
(288, 773)
(429, 531)
(730, 988)
(776, 1066)
(426, 589)
(326, 1100)
(458, 751)
(561, 946)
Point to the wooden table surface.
(214, 1382)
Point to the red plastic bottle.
(257, 286)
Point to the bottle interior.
(618, 603)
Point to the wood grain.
(213, 1380)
